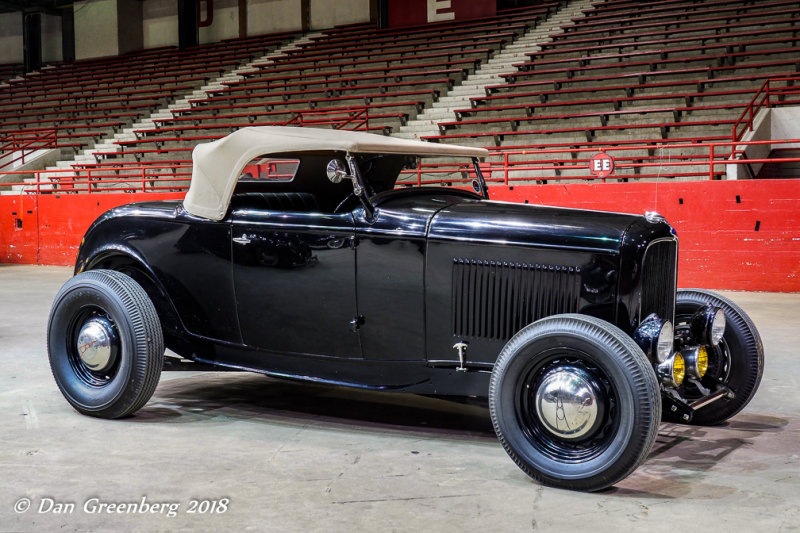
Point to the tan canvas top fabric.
(218, 164)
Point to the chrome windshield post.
(481, 180)
(359, 187)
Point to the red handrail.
(85, 178)
(577, 160)
(94, 178)
(31, 140)
(357, 116)
(762, 99)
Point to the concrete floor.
(294, 457)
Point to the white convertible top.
(217, 165)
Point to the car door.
(294, 279)
(391, 277)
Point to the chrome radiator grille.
(494, 299)
(659, 280)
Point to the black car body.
(346, 279)
(340, 296)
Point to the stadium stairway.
(426, 123)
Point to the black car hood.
(528, 225)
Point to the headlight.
(655, 337)
(708, 325)
(672, 371)
(666, 338)
(718, 327)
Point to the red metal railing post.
(89, 180)
(144, 184)
(505, 167)
(711, 162)
(419, 172)
(769, 90)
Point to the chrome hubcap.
(97, 344)
(567, 402)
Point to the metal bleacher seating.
(88, 100)
(643, 73)
(378, 78)
(10, 70)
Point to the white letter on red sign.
(433, 11)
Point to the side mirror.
(337, 171)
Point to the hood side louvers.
(495, 299)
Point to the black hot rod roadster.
(294, 254)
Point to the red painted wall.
(416, 12)
(52, 225)
(18, 229)
(747, 243)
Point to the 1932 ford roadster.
(295, 255)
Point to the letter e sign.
(434, 11)
(601, 165)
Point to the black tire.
(629, 397)
(737, 362)
(130, 375)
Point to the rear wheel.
(574, 402)
(737, 362)
(105, 344)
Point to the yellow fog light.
(702, 361)
(695, 361)
(678, 369)
(672, 371)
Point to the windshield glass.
(385, 172)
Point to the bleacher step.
(405, 135)
(179, 106)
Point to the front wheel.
(737, 362)
(105, 344)
(574, 402)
